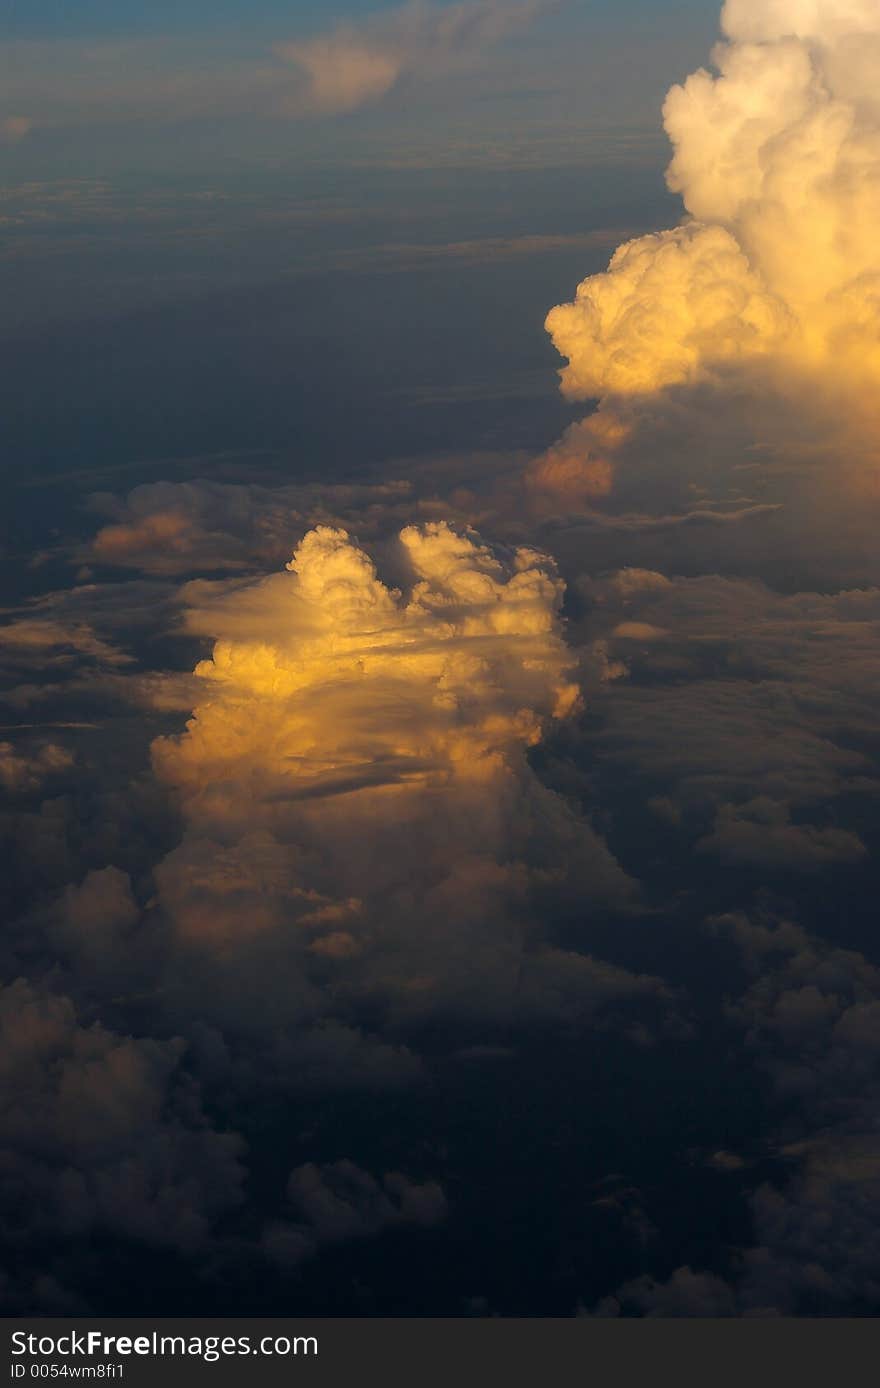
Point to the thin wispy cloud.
(346, 67)
(356, 64)
(14, 128)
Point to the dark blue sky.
(89, 17)
(162, 176)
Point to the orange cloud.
(777, 159)
(359, 806)
(326, 680)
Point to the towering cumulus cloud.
(356, 787)
(776, 272)
(324, 680)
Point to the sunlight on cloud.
(358, 802)
(324, 679)
(775, 276)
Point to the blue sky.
(96, 63)
(161, 166)
(133, 16)
(25, 18)
(153, 150)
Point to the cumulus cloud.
(95, 918)
(771, 284)
(761, 831)
(370, 687)
(777, 158)
(25, 771)
(103, 1134)
(339, 1202)
(741, 715)
(758, 21)
(580, 466)
(362, 821)
(359, 63)
(810, 1013)
(666, 304)
(686, 1294)
(188, 528)
(367, 858)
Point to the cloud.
(343, 72)
(96, 917)
(667, 305)
(103, 1135)
(817, 1249)
(783, 127)
(339, 1203)
(748, 710)
(363, 830)
(761, 832)
(14, 128)
(397, 837)
(811, 1016)
(78, 82)
(686, 1294)
(763, 21)
(358, 64)
(367, 685)
(23, 772)
(762, 306)
(190, 528)
(45, 641)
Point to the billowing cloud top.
(777, 159)
(757, 21)
(356, 792)
(324, 679)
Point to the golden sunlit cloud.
(356, 790)
(777, 159)
(325, 679)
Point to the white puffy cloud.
(760, 21)
(667, 304)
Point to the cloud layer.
(422, 911)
